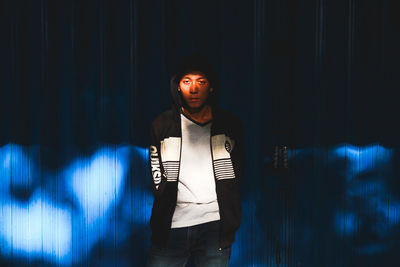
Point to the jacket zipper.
(180, 148)
(212, 160)
(179, 169)
(180, 157)
(215, 177)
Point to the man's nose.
(194, 89)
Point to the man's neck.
(201, 115)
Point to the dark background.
(315, 76)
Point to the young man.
(196, 162)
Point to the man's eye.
(186, 82)
(202, 82)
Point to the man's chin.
(196, 106)
(193, 108)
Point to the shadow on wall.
(97, 208)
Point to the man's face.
(195, 89)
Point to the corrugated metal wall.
(81, 81)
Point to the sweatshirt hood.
(195, 62)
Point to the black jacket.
(227, 148)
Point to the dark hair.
(196, 63)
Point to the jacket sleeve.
(157, 176)
(238, 153)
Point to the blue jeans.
(199, 241)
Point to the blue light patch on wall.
(37, 229)
(5, 171)
(346, 223)
(15, 165)
(391, 211)
(97, 182)
(362, 159)
(372, 209)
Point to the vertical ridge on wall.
(133, 67)
(259, 15)
(102, 19)
(350, 64)
(382, 71)
(6, 53)
(293, 12)
(319, 68)
(44, 86)
(350, 132)
(43, 139)
(318, 142)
